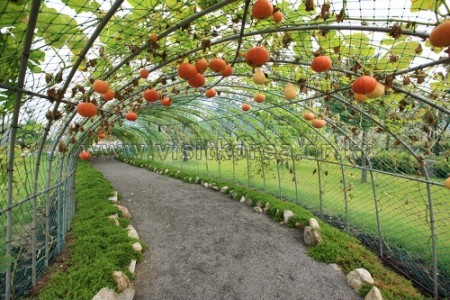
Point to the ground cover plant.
(97, 246)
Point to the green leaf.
(5, 262)
(82, 5)
(418, 5)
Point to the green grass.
(338, 247)
(97, 247)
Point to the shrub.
(399, 162)
(441, 168)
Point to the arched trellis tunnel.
(376, 170)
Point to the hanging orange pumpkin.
(210, 93)
(227, 71)
(151, 95)
(109, 95)
(256, 56)
(100, 86)
(217, 65)
(101, 135)
(131, 116)
(259, 97)
(309, 116)
(262, 9)
(245, 107)
(84, 155)
(277, 16)
(321, 63)
(318, 123)
(201, 65)
(364, 85)
(166, 101)
(197, 81)
(86, 109)
(187, 71)
(440, 35)
(144, 73)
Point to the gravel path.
(203, 245)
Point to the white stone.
(190, 179)
(287, 215)
(137, 247)
(242, 199)
(356, 278)
(314, 224)
(124, 212)
(266, 206)
(365, 275)
(197, 179)
(106, 294)
(166, 171)
(113, 198)
(258, 209)
(214, 187)
(128, 294)
(374, 294)
(205, 184)
(311, 236)
(132, 233)
(132, 266)
(115, 218)
(233, 194)
(355, 283)
(224, 189)
(248, 201)
(121, 280)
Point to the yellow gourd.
(259, 77)
(377, 92)
(290, 92)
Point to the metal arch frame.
(29, 34)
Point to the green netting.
(376, 170)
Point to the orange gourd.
(131, 116)
(197, 81)
(86, 109)
(259, 97)
(321, 63)
(440, 35)
(245, 107)
(262, 9)
(100, 86)
(109, 95)
(151, 95)
(364, 85)
(256, 56)
(201, 65)
(210, 93)
(187, 71)
(217, 65)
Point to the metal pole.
(319, 173)
(344, 184)
(34, 11)
(279, 178)
(248, 166)
(295, 176)
(433, 235)
(263, 171)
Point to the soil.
(204, 245)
